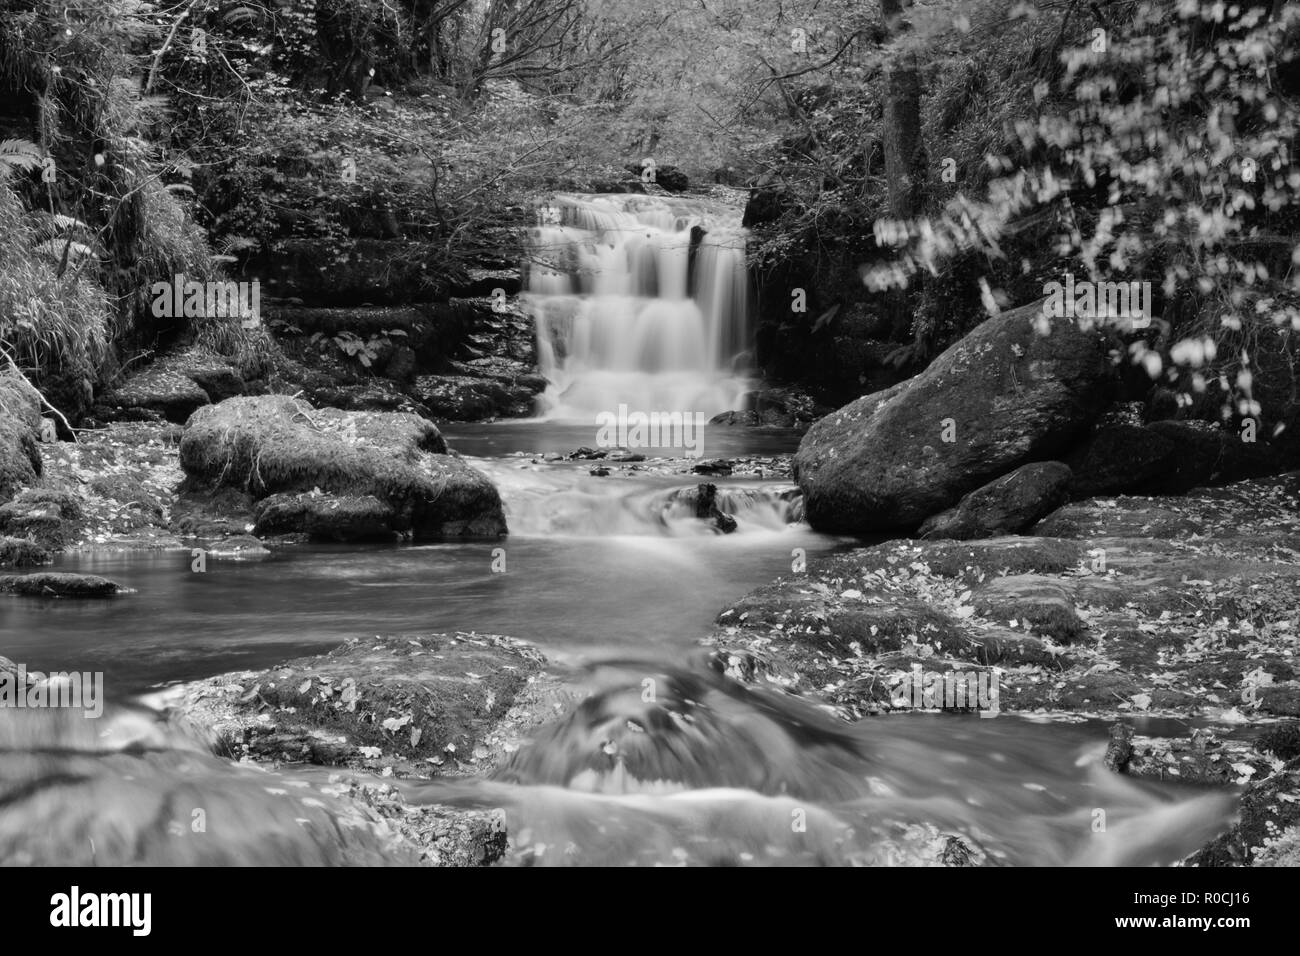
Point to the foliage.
(1173, 162)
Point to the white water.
(621, 316)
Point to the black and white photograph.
(507, 434)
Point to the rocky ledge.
(396, 708)
(1116, 608)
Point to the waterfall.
(623, 314)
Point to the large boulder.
(1005, 395)
(274, 444)
(1006, 506)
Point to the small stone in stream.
(21, 552)
(588, 453)
(703, 501)
(956, 853)
(625, 456)
(599, 472)
(59, 584)
(239, 548)
(713, 466)
(1120, 748)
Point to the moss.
(55, 584)
(274, 444)
(20, 458)
(1281, 740)
(21, 552)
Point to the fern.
(19, 155)
(54, 247)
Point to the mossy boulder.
(59, 584)
(435, 703)
(1005, 395)
(272, 445)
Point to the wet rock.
(777, 406)
(428, 704)
(1006, 506)
(326, 517)
(277, 445)
(714, 466)
(58, 584)
(1109, 622)
(465, 398)
(237, 548)
(702, 502)
(1203, 758)
(128, 789)
(1120, 748)
(999, 398)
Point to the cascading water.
(630, 311)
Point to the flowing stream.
(609, 577)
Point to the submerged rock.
(59, 584)
(237, 548)
(127, 789)
(273, 445)
(1002, 396)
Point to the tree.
(905, 159)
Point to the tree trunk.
(905, 160)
